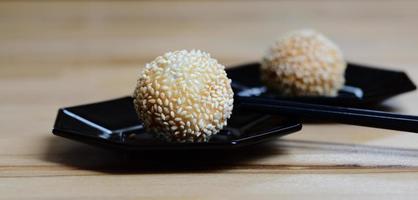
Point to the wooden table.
(55, 54)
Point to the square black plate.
(114, 124)
(376, 85)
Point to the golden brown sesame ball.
(304, 63)
(184, 96)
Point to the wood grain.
(55, 54)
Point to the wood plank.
(55, 54)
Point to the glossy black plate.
(365, 86)
(114, 124)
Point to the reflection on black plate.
(364, 85)
(115, 124)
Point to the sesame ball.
(184, 96)
(304, 63)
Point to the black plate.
(115, 124)
(366, 85)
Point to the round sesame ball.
(184, 96)
(304, 63)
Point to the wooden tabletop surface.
(55, 54)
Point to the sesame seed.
(166, 110)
